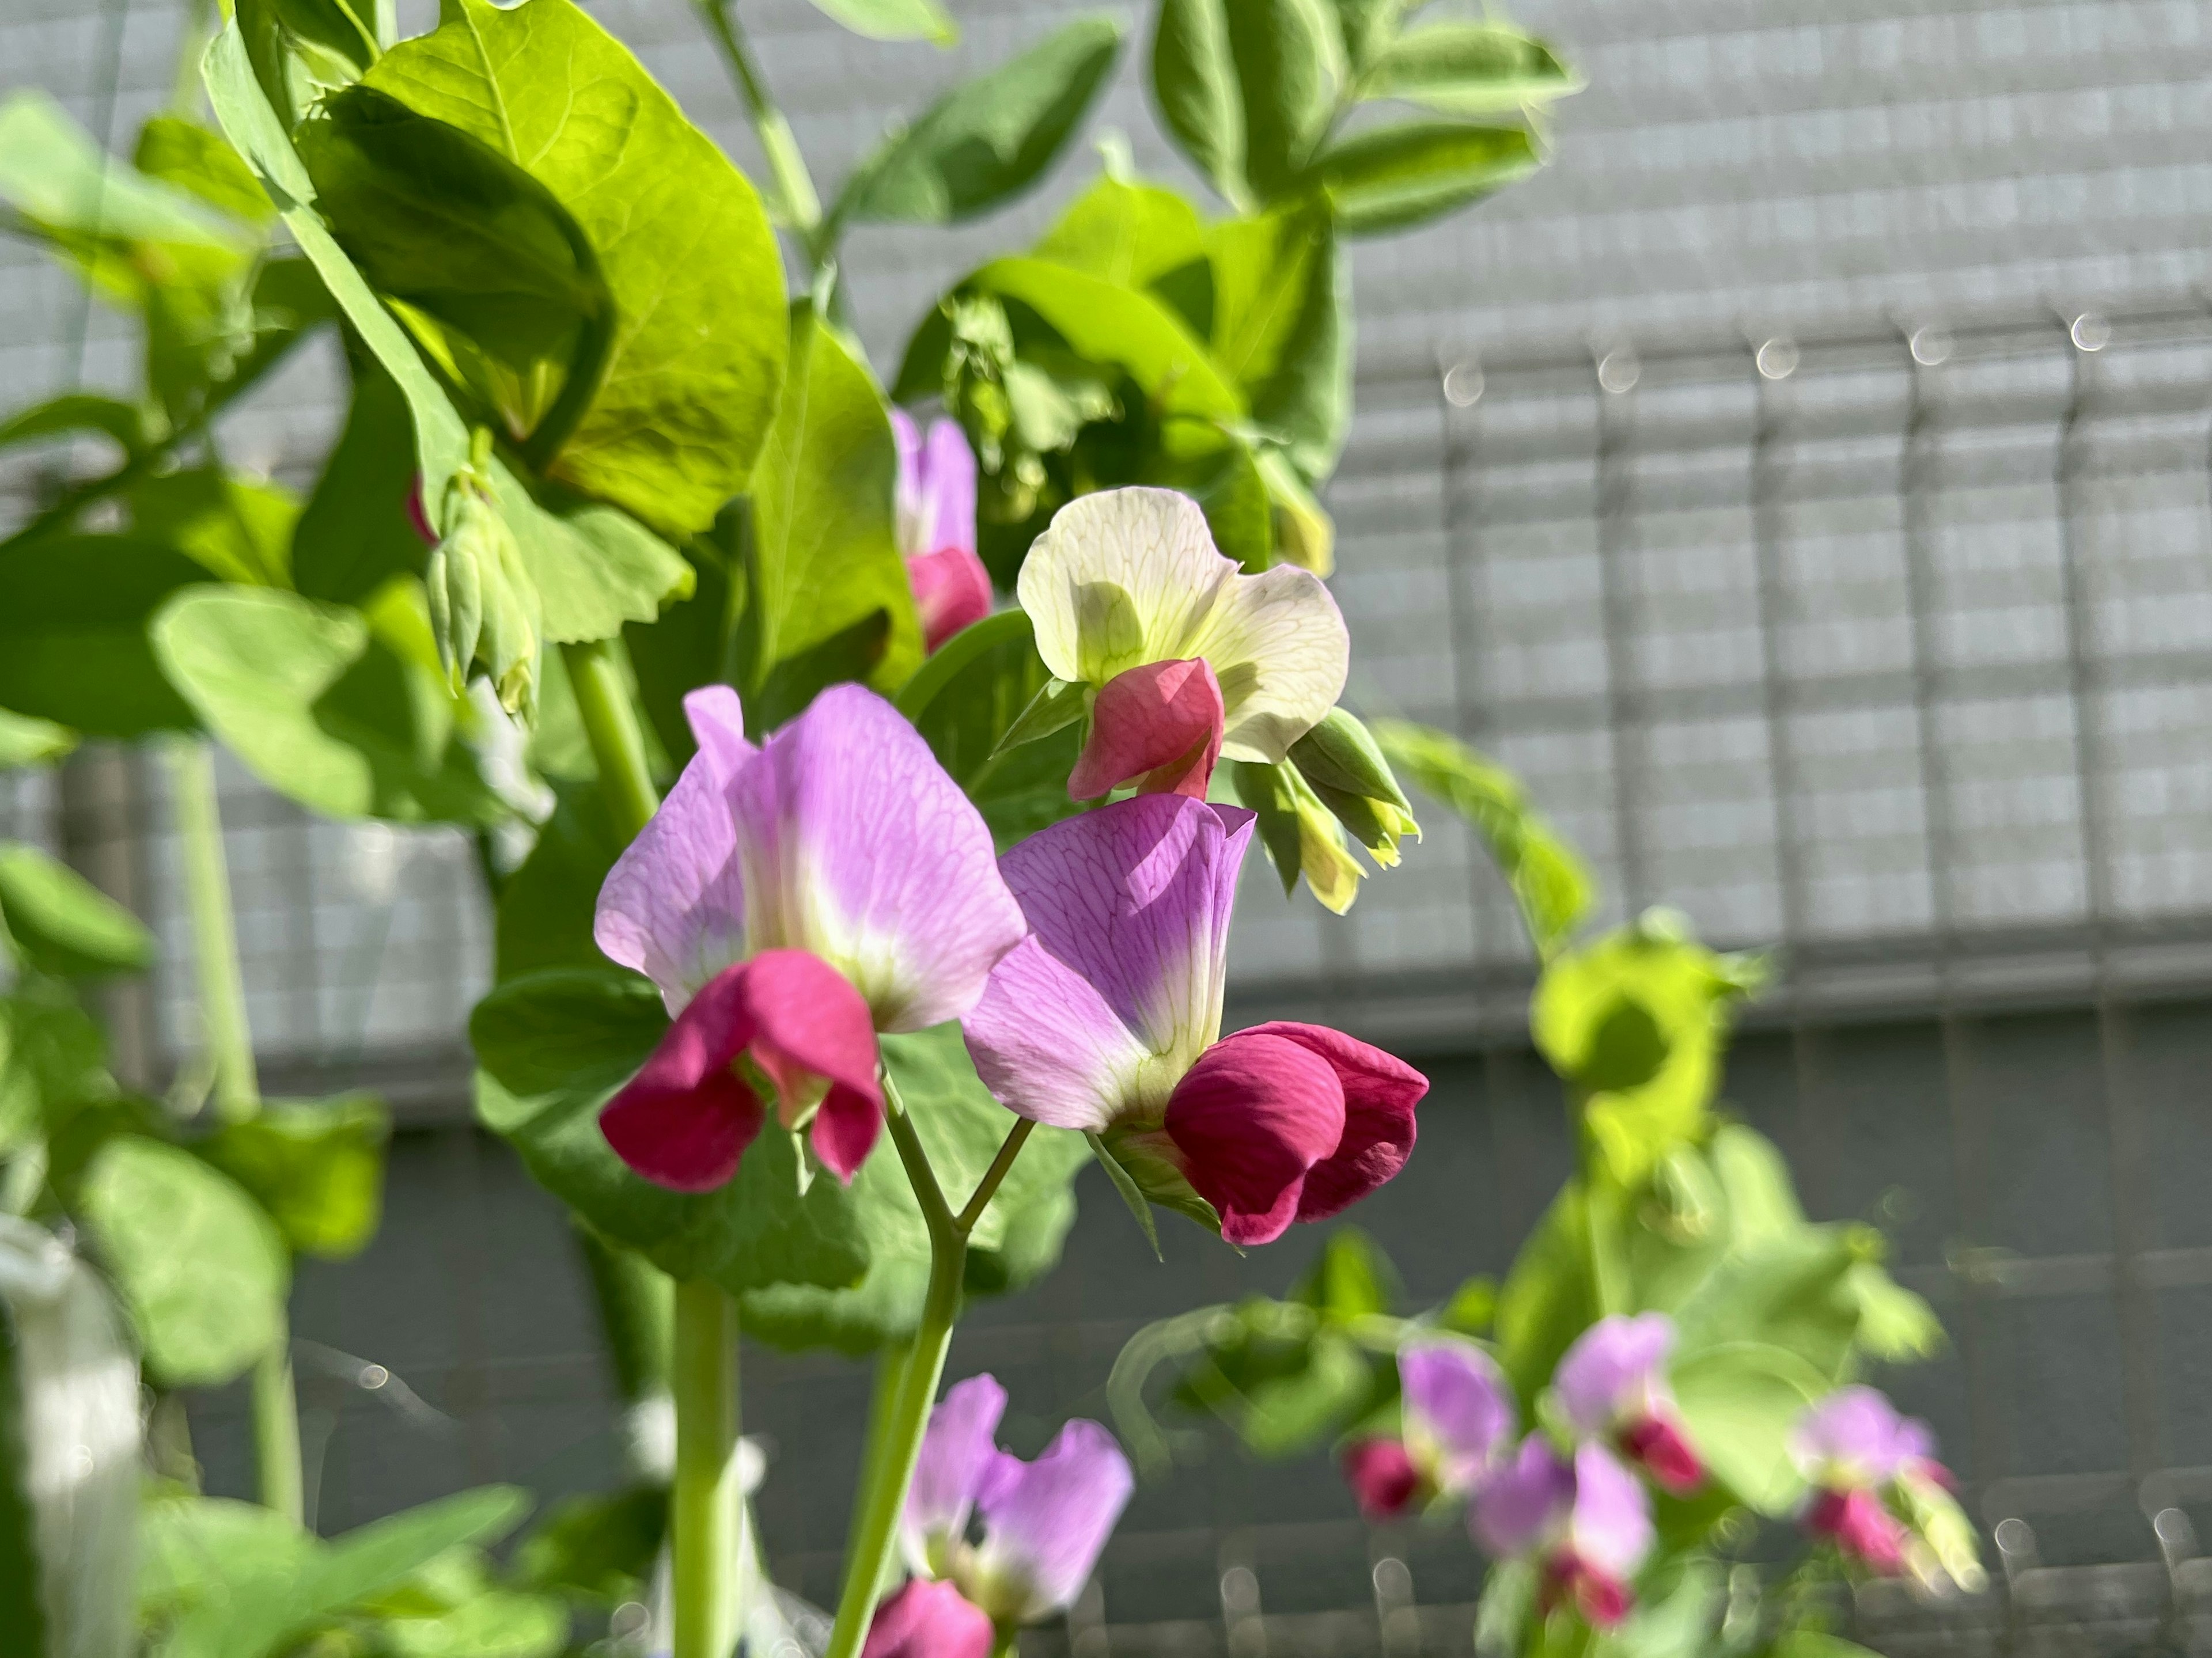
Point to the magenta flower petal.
(673, 906)
(1657, 1444)
(1458, 1409)
(814, 1038)
(1380, 1093)
(1381, 1475)
(1158, 725)
(686, 1118)
(935, 499)
(1855, 1436)
(1118, 991)
(1611, 1526)
(1248, 1120)
(1861, 1528)
(858, 848)
(929, 1619)
(951, 590)
(1614, 1372)
(957, 1454)
(1045, 1522)
(1525, 1505)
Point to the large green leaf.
(1105, 323)
(547, 906)
(354, 534)
(25, 741)
(201, 1267)
(1282, 329)
(64, 187)
(73, 644)
(316, 1166)
(1291, 71)
(1125, 232)
(1740, 1403)
(987, 141)
(322, 706)
(829, 598)
(59, 922)
(1195, 89)
(889, 20)
(237, 529)
(690, 386)
(1393, 178)
(1469, 68)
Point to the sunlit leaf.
(316, 1166)
(59, 922)
(1393, 178)
(1469, 68)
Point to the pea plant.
(845, 911)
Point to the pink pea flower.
(935, 509)
(1107, 1018)
(1586, 1523)
(1458, 1411)
(791, 901)
(1878, 1492)
(1380, 1471)
(1613, 1384)
(1043, 1523)
(926, 1620)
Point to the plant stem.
(611, 724)
(889, 1468)
(277, 1430)
(703, 1506)
(215, 942)
(892, 1360)
(794, 185)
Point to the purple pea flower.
(926, 1620)
(1106, 1019)
(1612, 1384)
(935, 510)
(1043, 1522)
(1878, 1492)
(1456, 1415)
(790, 901)
(1586, 1523)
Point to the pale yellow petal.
(1276, 643)
(1120, 578)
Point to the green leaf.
(1793, 1293)
(892, 20)
(600, 1547)
(322, 706)
(1469, 68)
(354, 534)
(1019, 789)
(316, 1166)
(1396, 177)
(20, 1587)
(1353, 1278)
(202, 1269)
(25, 741)
(78, 411)
(595, 569)
(547, 907)
(985, 141)
(1896, 1327)
(237, 529)
(1104, 323)
(1553, 886)
(1282, 328)
(1739, 1404)
(1195, 89)
(90, 203)
(685, 247)
(829, 598)
(375, 1555)
(52, 1059)
(185, 154)
(1125, 232)
(302, 49)
(1126, 1187)
(1546, 1300)
(73, 644)
(1291, 71)
(60, 923)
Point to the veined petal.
(858, 848)
(934, 502)
(951, 590)
(1278, 644)
(1122, 577)
(1132, 900)
(813, 1036)
(1251, 1117)
(956, 1454)
(1045, 1522)
(686, 1118)
(1380, 1093)
(926, 1620)
(1158, 725)
(1458, 1409)
(1612, 1369)
(673, 906)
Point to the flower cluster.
(1879, 1494)
(1042, 1526)
(1565, 1499)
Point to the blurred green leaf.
(685, 249)
(1125, 232)
(60, 923)
(547, 907)
(316, 1166)
(302, 49)
(52, 1058)
(197, 159)
(73, 643)
(1740, 1402)
(1469, 68)
(235, 528)
(1195, 91)
(988, 139)
(202, 1269)
(321, 706)
(1282, 328)
(1351, 1279)
(600, 1547)
(1548, 1299)
(1396, 177)
(25, 741)
(78, 411)
(889, 20)
(354, 534)
(1895, 1327)
(828, 598)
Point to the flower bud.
(1300, 833)
(483, 605)
(1349, 776)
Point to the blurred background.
(1804, 482)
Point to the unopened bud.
(1300, 833)
(484, 605)
(1340, 759)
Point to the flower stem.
(611, 724)
(704, 1504)
(794, 185)
(220, 986)
(892, 1454)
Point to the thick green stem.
(229, 1040)
(220, 986)
(794, 185)
(610, 725)
(892, 1454)
(704, 1504)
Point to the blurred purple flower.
(1382, 1476)
(1585, 1524)
(935, 515)
(1458, 1411)
(1878, 1492)
(1612, 1384)
(926, 1620)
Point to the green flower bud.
(1349, 775)
(1300, 833)
(483, 605)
